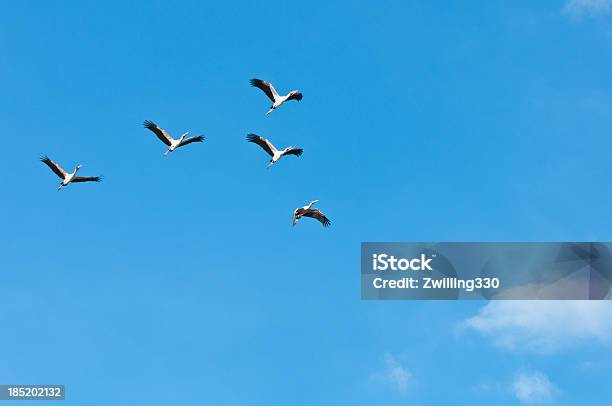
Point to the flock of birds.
(172, 144)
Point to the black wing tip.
(149, 124)
(299, 96)
(255, 82)
(98, 178)
(298, 152)
(199, 138)
(44, 158)
(325, 221)
(252, 137)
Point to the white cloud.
(580, 8)
(394, 375)
(533, 388)
(544, 326)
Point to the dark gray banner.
(486, 271)
(32, 392)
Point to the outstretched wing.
(294, 151)
(54, 167)
(189, 140)
(266, 87)
(87, 179)
(295, 95)
(262, 142)
(160, 132)
(316, 214)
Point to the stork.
(168, 140)
(308, 211)
(271, 149)
(65, 176)
(273, 95)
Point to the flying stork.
(65, 176)
(271, 92)
(168, 140)
(271, 149)
(308, 211)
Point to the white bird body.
(278, 155)
(273, 95)
(71, 176)
(174, 144)
(267, 146)
(281, 99)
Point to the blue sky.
(180, 280)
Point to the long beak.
(269, 165)
(269, 111)
(166, 153)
